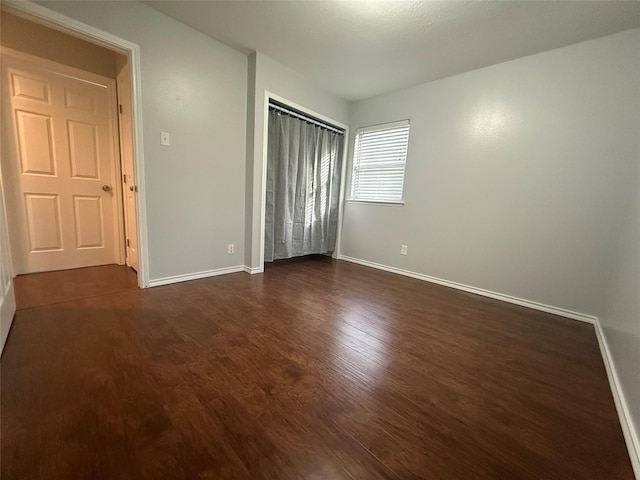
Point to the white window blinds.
(379, 159)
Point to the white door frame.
(57, 21)
(127, 180)
(263, 200)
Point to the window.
(379, 158)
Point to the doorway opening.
(72, 158)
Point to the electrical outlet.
(230, 249)
(403, 249)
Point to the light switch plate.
(165, 139)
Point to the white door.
(7, 297)
(62, 193)
(129, 187)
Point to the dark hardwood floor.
(314, 370)
(41, 289)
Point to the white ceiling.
(359, 49)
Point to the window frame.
(354, 165)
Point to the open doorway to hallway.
(67, 159)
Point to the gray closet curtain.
(304, 164)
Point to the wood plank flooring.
(317, 369)
(47, 288)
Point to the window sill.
(378, 202)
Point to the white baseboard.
(7, 313)
(253, 270)
(194, 276)
(630, 434)
(478, 291)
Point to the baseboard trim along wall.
(478, 291)
(207, 273)
(195, 276)
(630, 434)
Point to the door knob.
(106, 188)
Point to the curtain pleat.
(304, 164)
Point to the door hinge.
(128, 242)
(120, 108)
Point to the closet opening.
(304, 186)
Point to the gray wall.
(268, 75)
(620, 319)
(516, 174)
(194, 88)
